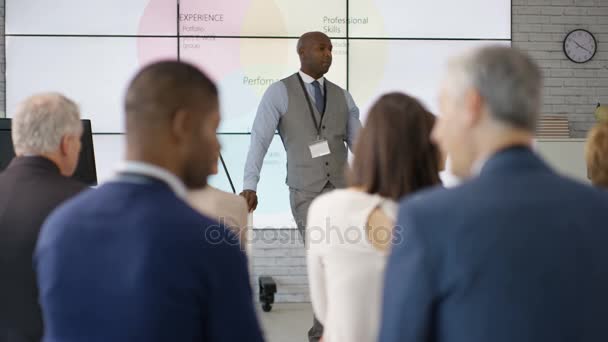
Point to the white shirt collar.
(308, 79)
(478, 166)
(154, 171)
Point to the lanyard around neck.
(312, 113)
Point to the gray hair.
(508, 80)
(41, 121)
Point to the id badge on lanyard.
(319, 147)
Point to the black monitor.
(85, 171)
(6, 143)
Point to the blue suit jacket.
(133, 262)
(516, 254)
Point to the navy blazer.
(518, 253)
(131, 261)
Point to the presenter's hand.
(252, 199)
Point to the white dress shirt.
(153, 171)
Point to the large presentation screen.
(89, 50)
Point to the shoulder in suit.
(480, 262)
(130, 254)
(30, 189)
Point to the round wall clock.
(580, 46)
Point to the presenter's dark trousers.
(300, 202)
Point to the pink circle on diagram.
(212, 17)
(241, 67)
(157, 17)
(197, 18)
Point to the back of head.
(489, 101)
(161, 89)
(41, 121)
(596, 155)
(394, 155)
(508, 81)
(172, 113)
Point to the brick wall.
(572, 90)
(280, 253)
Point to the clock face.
(580, 46)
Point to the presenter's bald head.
(172, 114)
(314, 49)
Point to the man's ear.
(181, 122)
(474, 105)
(64, 145)
(300, 50)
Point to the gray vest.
(298, 131)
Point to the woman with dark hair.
(349, 230)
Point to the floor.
(287, 322)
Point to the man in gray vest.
(315, 118)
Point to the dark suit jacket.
(30, 188)
(132, 262)
(516, 254)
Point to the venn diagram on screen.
(245, 45)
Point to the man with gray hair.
(46, 130)
(516, 252)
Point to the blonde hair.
(596, 155)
